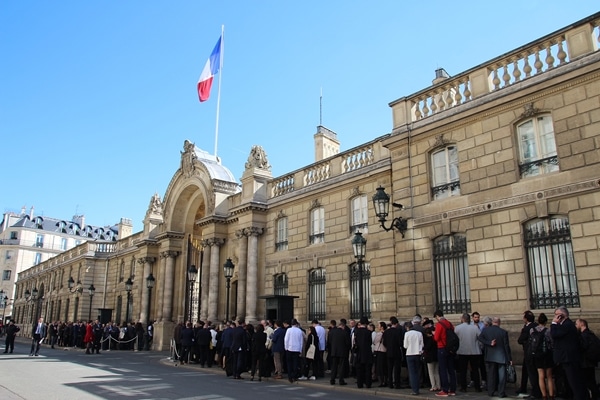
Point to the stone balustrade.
(342, 163)
(549, 52)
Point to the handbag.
(310, 353)
(511, 374)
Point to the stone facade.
(459, 159)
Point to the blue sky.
(97, 97)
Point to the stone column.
(160, 287)
(204, 280)
(146, 262)
(169, 278)
(213, 291)
(252, 275)
(242, 235)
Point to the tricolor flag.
(212, 66)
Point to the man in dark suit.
(529, 371)
(11, 332)
(38, 333)
(567, 353)
(497, 356)
(393, 339)
(339, 346)
(363, 354)
(239, 344)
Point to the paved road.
(61, 374)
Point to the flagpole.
(219, 91)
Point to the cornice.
(170, 235)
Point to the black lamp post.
(32, 296)
(359, 247)
(150, 281)
(3, 301)
(381, 203)
(74, 288)
(228, 268)
(91, 292)
(192, 273)
(128, 286)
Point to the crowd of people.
(471, 355)
(92, 336)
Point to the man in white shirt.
(293, 343)
(413, 343)
(321, 334)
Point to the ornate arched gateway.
(204, 218)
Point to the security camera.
(398, 205)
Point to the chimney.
(440, 75)
(31, 213)
(23, 211)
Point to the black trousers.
(363, 375)
(10, 343)
(337, 368)
(394, 367)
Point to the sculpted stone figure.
(258, 159)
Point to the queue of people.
(472, 355)
(89, 335)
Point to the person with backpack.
(447, 344)
(497, 356)
(590, 350)
(539, 350)
(529, 370)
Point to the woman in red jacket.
(88, 339)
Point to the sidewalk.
(324, 384)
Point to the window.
(551, 263)
(39, 222)
(316, 294)
(63, 243)
(37, 259)
(360, 216)
(39, 240)
(280, 286)
(62, 226)
(121, 271)
(281, 242)
(13, 235)
(452, 274)
(9, 254)
(444, 164)
(355, 287)
(132, 269)
(6, 275)
(317, 225)
(537, 148)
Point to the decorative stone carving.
(169, 254)
(258, 159)
(440, 141)
(530, 111)
(315, 203)
(253, 231)
(156, 205)
(188, 156)
(216, 242)
(354, 192)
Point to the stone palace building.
(493, 177)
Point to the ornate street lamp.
(91, 292)
(74, 288)
(3, 302)
(228, 268)
(150, 281)
(192, 273)
(128, 287)
(32, 296)
(381, 203)
(359, 247)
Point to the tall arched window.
(281, 243)
(280, 285)
(537, 147)
(317, 301)
(355, 284)
(445, 178)
(451, 271)
(360, 215)
(550, 261)
(317, 225)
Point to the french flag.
(212, 66)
